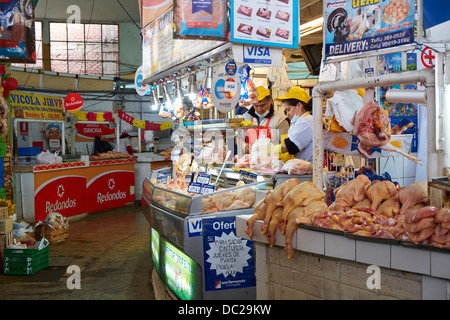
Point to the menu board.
(355, 26)
(161, 51)
(270, 23)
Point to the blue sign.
(255, 54)
(194, 227)
(355, 26)
(229, 261)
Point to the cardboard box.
(6, 225)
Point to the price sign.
(247, 177)
(175, 154)
(188, 178)
(203, 178)
(163, 178)
(207, 189)
(195, 187)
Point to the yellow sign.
(36, 106)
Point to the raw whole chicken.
(413, 194)
(296, 215)
(350, 193)
(372, 126)
(243, 162)
(390, 207)
(301, 195)
(260, 213)
(276, 199)
(273, 225)
(380, 191)
(297, 166)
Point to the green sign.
(179, 271)
(155, 243)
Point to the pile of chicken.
(281, 208)
(241, 198)
(362, 207)
(111, 155)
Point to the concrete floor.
(112, 250)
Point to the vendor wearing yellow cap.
(271, 123)
(297, 105)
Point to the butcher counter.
(336, 265)
(73, 188)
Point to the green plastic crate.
(25, 261)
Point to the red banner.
(88, 132)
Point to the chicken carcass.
(413, 194)
(300, 214)
(260, 213)
(390, 207)
(224, 200)
(372, 126)
(350, 193)
(273, 225)
(297, 166)
(380, 191)
(275, 198)
(301, 195)
(243, 162)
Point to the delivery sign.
(354, 26)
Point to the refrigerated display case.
(195, 249)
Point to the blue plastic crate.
(29, 151)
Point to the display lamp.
(154, 99)
(208, 80)
(192, 90)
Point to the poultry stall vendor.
(271, 123)
(299, 142)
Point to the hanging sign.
(355, 26)
(73, 102)
(257, 55)
(141, 89)
(226, 87)
(266, 23)
(36, 106)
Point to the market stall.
(375, 231)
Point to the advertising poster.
(152, 9)
(179, 272)
(229, 260)
(58, 194)
(36, 106)
(17, 35)
(155, 243)
(161, 51)
(227, 87)
(267, 23)
(403, 116)
(354, 26)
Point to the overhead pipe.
(407, 96)
(426, 76)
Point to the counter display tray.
(409, 244)
(373, 239)
(322, 229)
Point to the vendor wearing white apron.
(271, 123)
(297, 105)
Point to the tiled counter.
(333, 266)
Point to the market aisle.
(112, 250)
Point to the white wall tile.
(339, 246)
(373, 253)
(410, 259)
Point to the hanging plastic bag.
(249, 95)
(203, 100)
(164, 111)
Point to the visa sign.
(256, 54)
(194, 227)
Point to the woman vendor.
(271, 123)
(297, 105)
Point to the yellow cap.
(361, 92)
(262, 92)
(296, 93)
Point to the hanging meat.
(372, 126)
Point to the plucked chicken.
(260, 213)
(350, 193)
(380, 191)
(297, 166)
(372, 126)
(275, 199)
(301, 195)
(413, 194)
